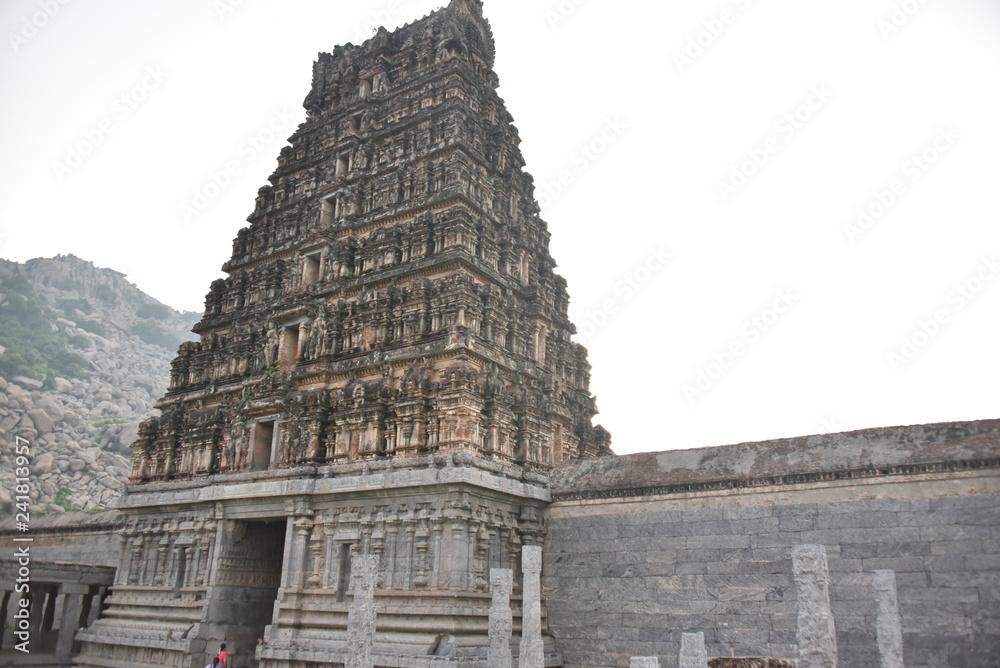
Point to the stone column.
(531, 653)
(501, 620)
(361, 617)
(4, 607)
(817, 635)
(693, 654)
(889, 629)
(71, 621)
(644, 662)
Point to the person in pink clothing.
(223, 656)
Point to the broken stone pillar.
(817, 634)
(501, 620)
(644, 662)
(693, 653)
(531, 654)
(70, 623)
(889, 629)
(361, 617)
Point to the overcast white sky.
(767, 259)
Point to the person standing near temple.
(223, 656)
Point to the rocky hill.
(84, 355)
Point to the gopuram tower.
(387, 370)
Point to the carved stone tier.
(386, 371)
(262, 561)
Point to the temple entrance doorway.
(246, 588)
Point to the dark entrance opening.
(247, 587)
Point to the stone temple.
(387, 370)
(381, 453)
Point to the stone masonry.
(385, 406)
(643, 548)
(817, 637)
(387, 370)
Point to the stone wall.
(91, 539)
(643, 548)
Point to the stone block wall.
(628, 570)
(90, 538)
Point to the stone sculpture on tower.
(386, 371)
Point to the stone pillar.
(693, 654)
(531, 653)
(501, 620)
(817, 635)
(3, 615)
(71, 621)
(361, 618)
(889, 629)
(644, 662)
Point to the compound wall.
(643, 548)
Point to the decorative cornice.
(724, 484)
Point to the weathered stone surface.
(531, 653)
(644, 662)
(693, 653)
(889, 630)
(43, 423)
(749, 663)
(817, 636)
(362, 618)
(501, 620)
(863, 454)
(43, 464)
(27, 383)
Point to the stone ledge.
(874, 453)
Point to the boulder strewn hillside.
(84, 355)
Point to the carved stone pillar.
(531, 653)
(162, 556)
(817, 635)
(71, 618)
(361, 617)
(693, 654)
(645, 662)
(889, 628)
(501, 619)
(317, 543)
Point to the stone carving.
(817, 635)
(888, 628)
(361, 618)
(644, 662)
(501, 620)
(390, 313)
(693, 653)
(531, 653)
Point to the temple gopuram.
(387, 370)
